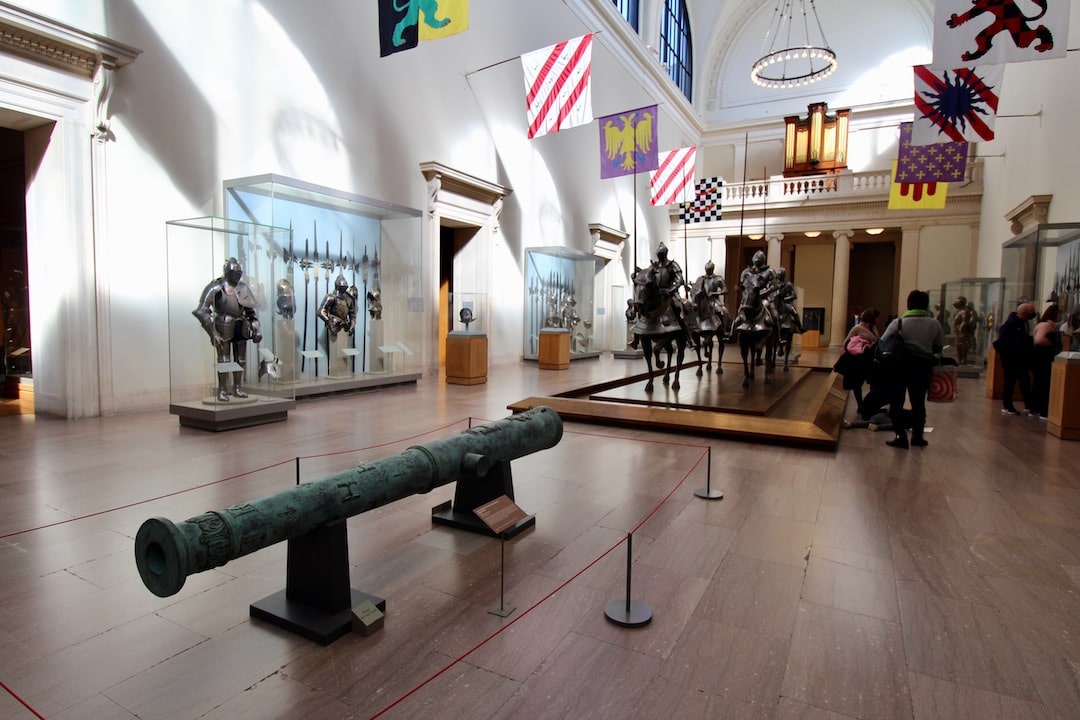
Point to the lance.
(306, 265)
(328, 265)
(356, 302)
(315, 290)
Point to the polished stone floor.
(866, 582)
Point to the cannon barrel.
(166, 552)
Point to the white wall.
(234, 88)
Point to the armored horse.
(758, 332)
(658, 325)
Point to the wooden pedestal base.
(554, 349)
(1063, 420)
(466, 358)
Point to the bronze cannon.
(167, 552)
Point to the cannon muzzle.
(167, 552)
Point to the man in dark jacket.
(1016, 352)
(923, 339)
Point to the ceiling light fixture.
(787, 64)
(874, 231)
(812, 233)
(755, 236)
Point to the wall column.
(841, 277)
(772, 252)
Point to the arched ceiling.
(876, 44)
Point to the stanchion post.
(502, 610)
(628, 612)
(707, 493)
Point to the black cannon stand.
(474, 492)
(317, 601)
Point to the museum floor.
(865, 582)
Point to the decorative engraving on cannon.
(317, 600)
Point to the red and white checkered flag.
(673, 181)
(558, 92)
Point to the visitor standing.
(911, 369)
(1015, 351)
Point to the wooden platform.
(804, 406)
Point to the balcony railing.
(840, 187)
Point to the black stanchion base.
(639, 613)
(709, 494)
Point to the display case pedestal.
(338, 364)
(554, 349)
(466, 358)
(288, 340)
(1063, 420)
(375, 341)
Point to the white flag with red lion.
(990, 32)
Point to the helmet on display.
(286, 301)
(758, 261)
(781, 272)
(709, 267)
(341, 284)
(232, 270)
(661, 251)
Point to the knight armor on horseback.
(669, 279)
(784, 296)
(757, 279)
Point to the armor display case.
(970, 312)
(1043, 266)
(354, 266)
(229, 360)
(559, 294)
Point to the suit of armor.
(338, 309)
(712, 286)
(784, 296)
(965, 323)
(226, 312)
(757, 276)
(669, 278)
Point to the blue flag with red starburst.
(955, 105)
(941, 162)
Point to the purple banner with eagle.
(628, 142)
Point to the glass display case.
(969, 311)
(354, 266)
(559, 293)
(1042, 266)
(468, 312)
(231, 353)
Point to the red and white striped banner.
(673, 181)
(558, 91)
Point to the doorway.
(872, 277)
(14, 277)
(458, 268)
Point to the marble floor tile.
(979, 651)
(848, 663)
(754, 595)
(934, 699)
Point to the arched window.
(629, 10)
(676, 50)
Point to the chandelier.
(793, 58)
